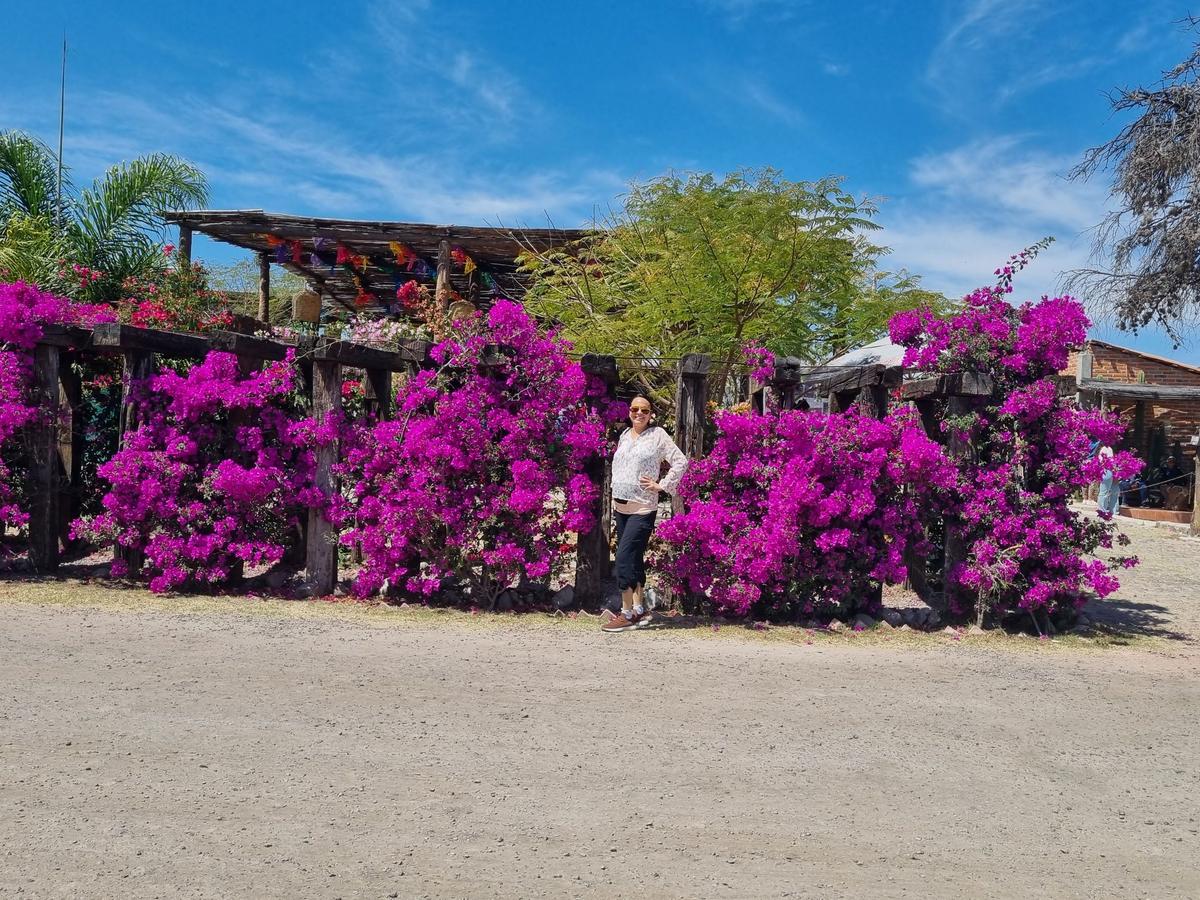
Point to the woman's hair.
(649, 402)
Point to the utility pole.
(62, 109)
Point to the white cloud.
(977, 204)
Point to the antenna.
(62, 109)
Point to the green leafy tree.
(114, 227)
(693, 263)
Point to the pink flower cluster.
(1031, 450)
(25, 311)
(215, 478)
(479, 475)
(793, 513)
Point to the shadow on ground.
(1131, 618)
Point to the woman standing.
(641, 451)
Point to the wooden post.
(785, 383)
(264, 287)
(691, 401)
(444, 267)
(1196, 496)
(593, 562)
(955, 550)
(322, 553)
(138, 366)
(70, 447)
(184, 250)
(43, 464)
(377, 388)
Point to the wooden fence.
(57, 444)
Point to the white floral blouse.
(644, 455)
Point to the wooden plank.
(43, 462)
(962, 384)
(67, 336)
(113, 336)
(264, 287)
(248, 346)
(848, 379)
(321, 558)
(593, 558)
(358, 356)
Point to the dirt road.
(201, 753)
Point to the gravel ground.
(212, 749)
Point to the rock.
(836, 625)
(612, 602)
(606, 616)
(975, 630)
(948, 630)
(885, 625)
(915, 616)
(893, 617)
(862, 621)
(905, 627)
(506, 600)
(932, 619)
(277, 578)
(564, 598)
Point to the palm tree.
(115, 226)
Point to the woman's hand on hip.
(649, 484)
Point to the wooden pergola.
(359, 265)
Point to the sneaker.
(620, 623)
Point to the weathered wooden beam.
(264, 287)
(962, 384)
(593, 558)
(849, 379)
(1196, 496)
(70, 446)
(321, 557)
(445, 265)
(358, 356)
(43, 463)
(377, 388)
(138, 366)
(184, 250)
(691, 412)
(247, 346)
(67, 336)
(113, 336)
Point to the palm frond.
(128, 202)
(28, 176)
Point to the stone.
(885, 625)
(893, 617)
(836, 625)
(862, 621)
(975, 630)
(506, 600)
(905, 627)
(564, 598)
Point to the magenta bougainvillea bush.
(1030, 449)
(25, 311)
(480, 474)
(215, 477)
(794, 513)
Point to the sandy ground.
(200, 748)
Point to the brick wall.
(1180, 419)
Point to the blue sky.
(960, 116)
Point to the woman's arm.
(676, 460)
